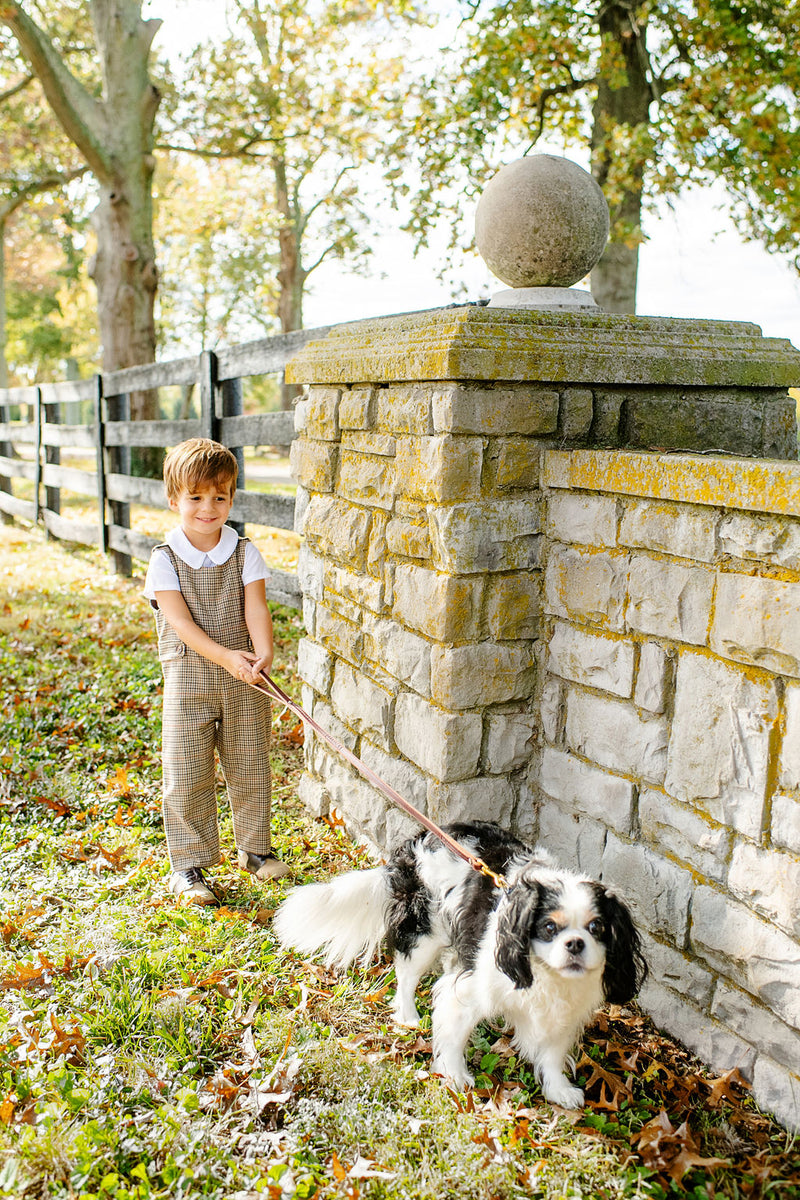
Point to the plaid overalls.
(206, 708)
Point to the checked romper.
(205, 709)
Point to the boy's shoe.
(191, 887)
(263, 866)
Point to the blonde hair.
(197, 462)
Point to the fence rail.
(38, 423)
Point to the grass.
(151, 1051)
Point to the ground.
(148, 1050)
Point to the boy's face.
(203, 512)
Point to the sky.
(693, 264)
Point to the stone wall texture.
(598, 648)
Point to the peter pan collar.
(194, 558)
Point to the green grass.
(150, 1051)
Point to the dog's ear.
(515, 924)
(626, 967)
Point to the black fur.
(626, 967)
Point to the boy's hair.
(198, 462)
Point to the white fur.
(345, 918)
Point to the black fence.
(38, 423)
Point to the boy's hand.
(263, 664)
(241, 664)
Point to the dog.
(544, 952)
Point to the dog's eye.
(596, 928)
(547, 931)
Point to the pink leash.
(277, 693)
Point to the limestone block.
(314, 665)
(439, 469)
(487, 535)
(481, 673)
(607, 418)
(322, 413)
(513, 605)
(399, 828)
(366, 479)
(313, 464)
(677, 970)
(779, 428)
(310, 572)
(337, 530)
(302, 500)
(574, 841)
(693, 421)
(310, 616)
(489, 798)
(580, 787)
(552, 709)
(341, 605)
(682, 530)
(587, 585)
(659, 891)
(719, 746)
(685, 834)
(756, 1024)
(496, 411)
(361, 590)
(300, 415)
(786, 822)
(376, 548)
(313, 796)
(769, 882)
(408, 539)
(757, 621)
(316, 745)
(365, 442)
(592, 659)
(651, 678)
(575, 412)
(443, 607)
(526, 817)
(406, 779)
(444, 744)
(362, 704)
(790, 743)
(514, 462)
(708, 1039)
(341, 636)
(357, 408)
(749, 951)
(405, 409)
(614, 735)
(509, 741)
(403, 654)
(669, 600)
(361, 804)
(778, 1091)
(769, 539)
(577, 517)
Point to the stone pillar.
(417, 459)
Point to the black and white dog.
(544, 953)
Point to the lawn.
(148, 1050)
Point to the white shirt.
(162, 576)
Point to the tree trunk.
(3, 331)
(613, 280)
(291, 276)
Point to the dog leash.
(277, 693)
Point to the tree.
(661, 93)
(113, 131)
(310, 92)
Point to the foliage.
(149, 1051)
(662, 93)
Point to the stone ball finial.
(542, 222)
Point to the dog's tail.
(345, 917)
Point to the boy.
(214, 637)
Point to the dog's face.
(567, 930)
(572, 924)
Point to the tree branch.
(16, 88)
(81, 116)
(33, 188)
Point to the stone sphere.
(542, 221)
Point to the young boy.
(214, 637)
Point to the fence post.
(233, 406)
(119, 463)
(38, 413)
(100, 444)
(52, 455)
(6, 449)
(208, 394)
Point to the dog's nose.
(575, 945)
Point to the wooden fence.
(37, 423)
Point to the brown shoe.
(191, 887)
(263, 866)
